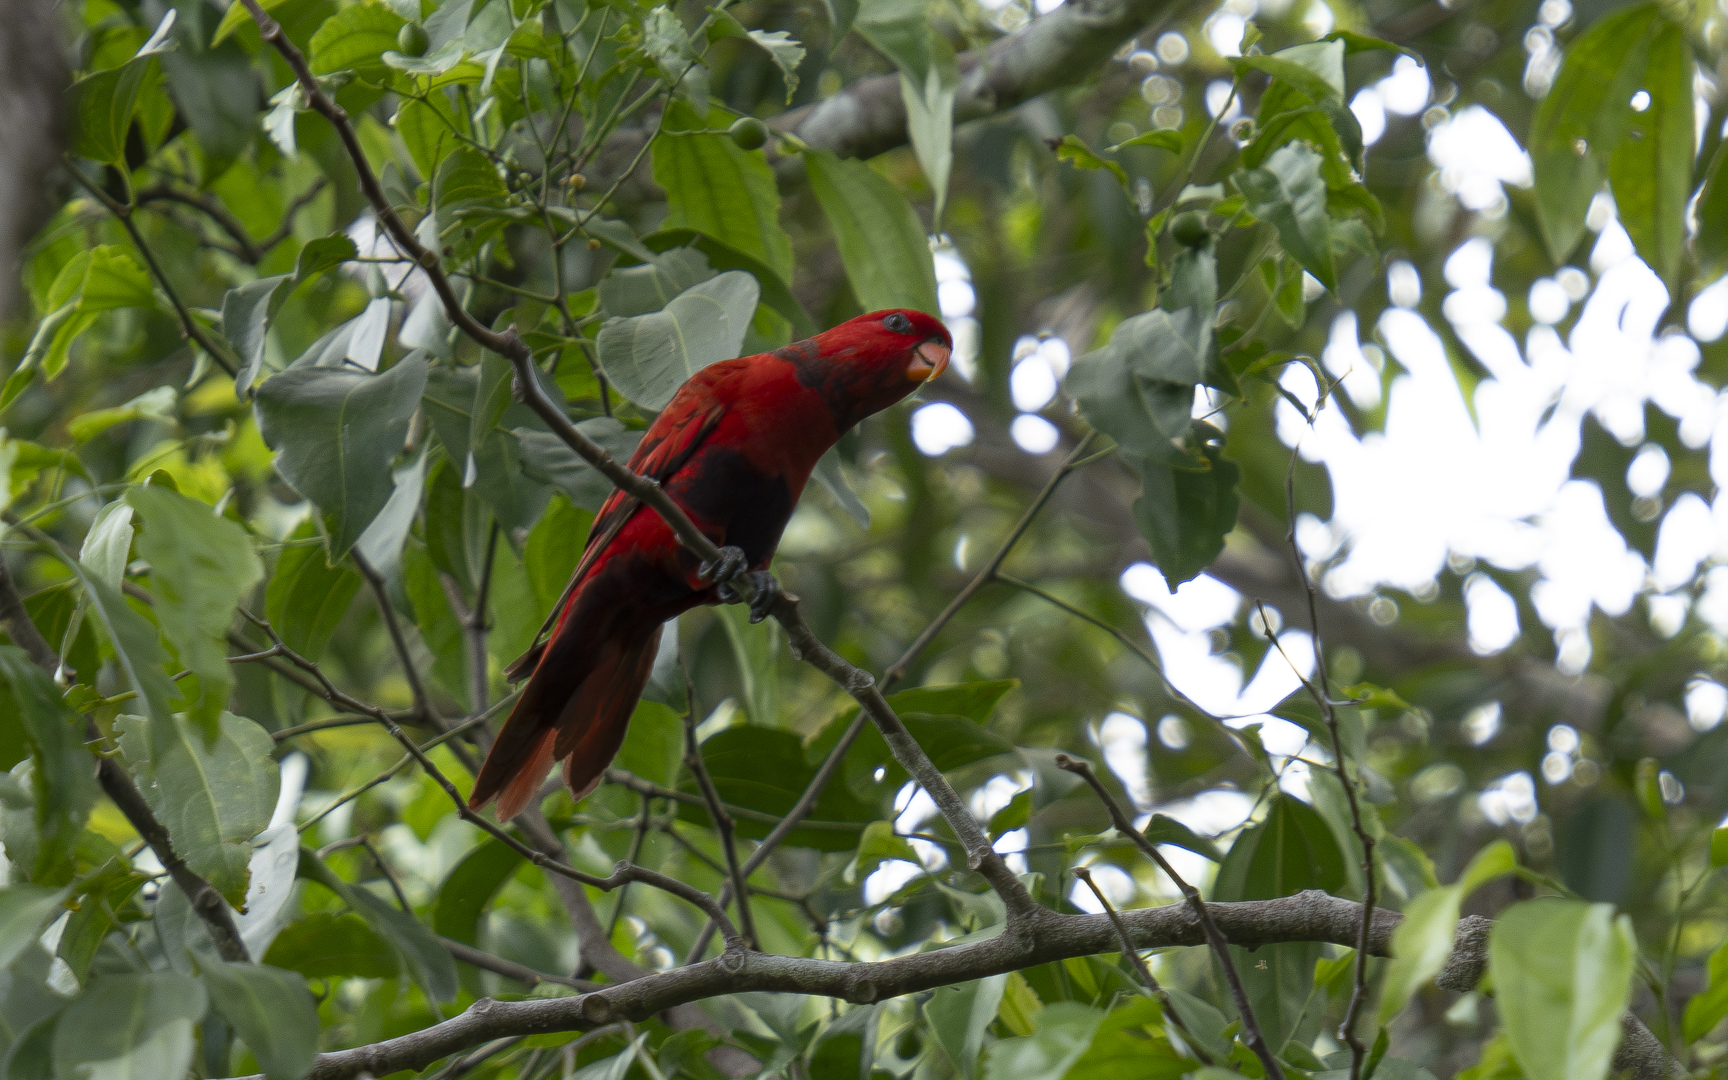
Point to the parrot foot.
(767, 591)
(729, 565)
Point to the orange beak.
(929, 361)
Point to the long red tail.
(576, 707)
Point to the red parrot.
(733, 449)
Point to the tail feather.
(594, 723)
(576, 707)
(524, 786)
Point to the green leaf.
(307, 596)
(649, 287)
(1316, 68)
(325, 945)
(654, 744)
(841, 15)
(1076, 152)
(428, 963)
(902, 31)
(138, 650)
(1167, 830)
(1289, 193)
(722, 256)
(786, 52)
(877, 845)
(102, 103)
(337, 431)
(463, 897)
(428, 127)
(649, 356)
(61, 773)
(1065, 1031)
(158, 404)
(882, 243)
(201, 567)
(1651, 170)
(763, 769)
(959, 1016)
(1583, 121)
(1562, 973)
(1163, 140)
(720, 190)
(24, 911)
(272, 1012)
(1705, 1010)
(213, 797)
(1420, 946)
(975, 701)
(1359, 43)
(357, 38)
(553, 550)
(1719, 847)
(104, 278)
(247, 313)
(137, 1027)
(467, 175)
(235, 18)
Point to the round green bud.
(411, 40)
(1190, 229)
(749, 133)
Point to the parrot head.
(867, 364)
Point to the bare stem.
(723, 824)
(1220, 945)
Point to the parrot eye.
(898, 323)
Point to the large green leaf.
(1290, 850)
(1651, 170)
(201, 567)
(307, 596)
(1185, 512)
(547, 457)
(216, 91)
(1586, 116)
(357, 37)
(776, 294)
(428, 963)
(136, 1027)
(720, 190)
(62, 772)
(213, 797)
(959, 1016)
(1290, 192)
(24, 910)
(1562, 973)
(137, 648)
(466, 892)
(26, 1000)
(1712, 213)
(648, 357)
(272, 1012)
(104, 278)
(102, 103)
(903, 31)
(1423, 941)
(882, 243)
(325, 945)
(337, 431)
(1064, 1033)
(650, 286)
(763, 769)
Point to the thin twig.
(381, 593)
(510, 969)
(723, 824)
(898, 668)
(389, 874)
(1132, 955)
(643, 820)
(123, 213)
(244, 247)
(1220, 945)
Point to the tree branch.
(869, 116)
(1308, 916)
(118, 786)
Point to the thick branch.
(1309, 916)
(1059, 49)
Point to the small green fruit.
(411, 40)
(1190, 229)
(749, 133)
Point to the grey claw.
(722, 570)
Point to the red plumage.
(733, 449)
